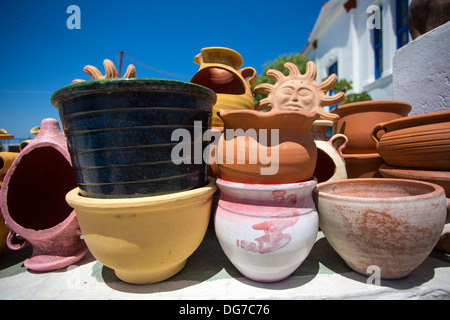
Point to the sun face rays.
(110, 71)
(298, 91)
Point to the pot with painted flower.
(266, 230)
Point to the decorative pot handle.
(13, 243)
(377, 132)
(249, 72)
(334, 140)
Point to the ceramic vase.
(6, 160)
(330, 164)
(122, 134)
(145, 239)
(220, 71)
(33, 202)
(267, 147)
(358, 119)
(419, 141)
(390, 224)
(266, 230)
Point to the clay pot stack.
(143, 209)
(418, 148)
(357, 121)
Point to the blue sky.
(39, 54)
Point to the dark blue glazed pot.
(119, 134)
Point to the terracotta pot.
(33, 202)
(419, 141)
(266, 230)
(283, 137)
(146, 239)
(364, 165)
(219, 72)
(358, 119)
(330, 164)
(120, 134)
(392, 224)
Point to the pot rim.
(75, 200)
(416, 120)
(266, 186)
(364, 106)
(126, 84)
(438, 190)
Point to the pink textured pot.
(392, 224)
(33, 202)
(266, 230)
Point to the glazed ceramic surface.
(291, 156)
(419, 141)
(219, 71)
(358, 119)
(266, 230)
(389, 223)
(33, 202)
(147, 239)
(119, 134)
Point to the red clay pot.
(358, 119)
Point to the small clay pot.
(33, 202)
(364, 165)
(266, 230)
(120, 134)
(391, 224)
(419, 141)
(291, 156)
(358, 119)
(146, 239)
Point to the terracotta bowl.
(392, 224)
(364, 165)
(419, 141)
(147, 239)
(358, 119)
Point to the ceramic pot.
(358, 119)
(219, 72)
(147, 239)
(266, 231)
(267, 147)
(364, 165)
(120, 135)
(6, 160)
(33, 202)
(419, 141)
(330, 164)
(393, 224)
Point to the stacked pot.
(143, 197)
(417, 147)
(357, 121)
(266, 221)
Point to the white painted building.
(357, 39)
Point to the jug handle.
(249, 72)
(13, 243)
(377, 132)
(340, 147)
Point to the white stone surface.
(421, 72)
(209, 275)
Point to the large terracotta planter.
(283, 136)
(392, 224)
(119, 134)
(419, 141)
(33, 202)
(266, 230)
(358, 119)
(146, 239)
(219, 71)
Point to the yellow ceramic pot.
(219, 71)
(148, 239)
(6, 160)
(3, 233)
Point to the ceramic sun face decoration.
(299, 91)
(110, 71)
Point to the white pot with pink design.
(266, 230)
